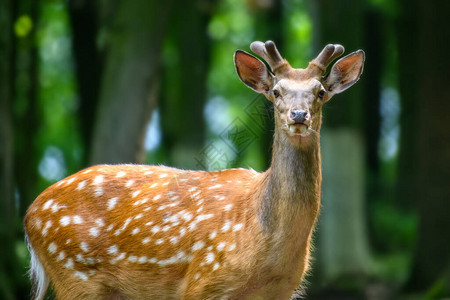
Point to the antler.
(269, 52)
(325, 57)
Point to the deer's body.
(153, 232)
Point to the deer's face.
(298, 94)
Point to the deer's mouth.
(298, 129)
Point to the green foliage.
(23, 26)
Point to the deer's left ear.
(253, 72)
(345, 72)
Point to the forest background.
(85, 82)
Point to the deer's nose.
(299, 116)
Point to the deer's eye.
(276, 93)
(321, 93)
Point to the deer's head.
(298, 94)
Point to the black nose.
(299, 116)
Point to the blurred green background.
(85, 82)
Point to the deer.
(156, 232)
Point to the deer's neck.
(291, 186)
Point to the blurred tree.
(7, 209)
(88, 65)
(187, 60)
(26, 109)
(343, 253)
(130, 82)
(425, 152)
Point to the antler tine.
(329, 53)
(338, 51)
(269, 52)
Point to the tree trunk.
(7, 211)
(432, 160)
(130, 82)
(343, 251)
(185, 89)
(88, 65)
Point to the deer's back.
(159, 230)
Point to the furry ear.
(345, 72)
(253, 72)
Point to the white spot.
(98, 179)
(112, 203)
(209, 257)
(146, 240)
(182, 179)
(113, 250)
(213, 234)
(84, 247)
(237, 227)
(93, 231)
(129, 183)
(174, 240)
(80, 275)
(166, 228)
(228, 207)
(226, 226)
(198, 245)
(77, 220)
(69, 264)
(148, 173)
(219, 197)
(48, 224)
(120, 230)
(110, 227)
(159, 241)
(52, 248)
(120, 174)
(187, 216)
(87, 171)
(47, 204)
(166, 183)
(175, 197)
(156, 229)
(138, 216)
(142, 259)
(152, 260)
(64, 221)
(197, 276)
(68, 241)
(38, 223)
(61, 256)
(192, 189)
(209, 248)
(203, 217)
(216, 266)
(182, 231)
(232, 247)
(71, 180)
(162, 175)
(215, 186)
(154, 185)
(156, 197)
(135, 231)
(98, 191)
(149, 223)
(132, 258)
(135, 194)
(100, 222)
(81, 185)
(221, 246)
(80, 258)
(56, 207)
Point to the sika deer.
(153, 232)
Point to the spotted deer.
(155, 232)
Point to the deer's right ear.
(253, 72)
